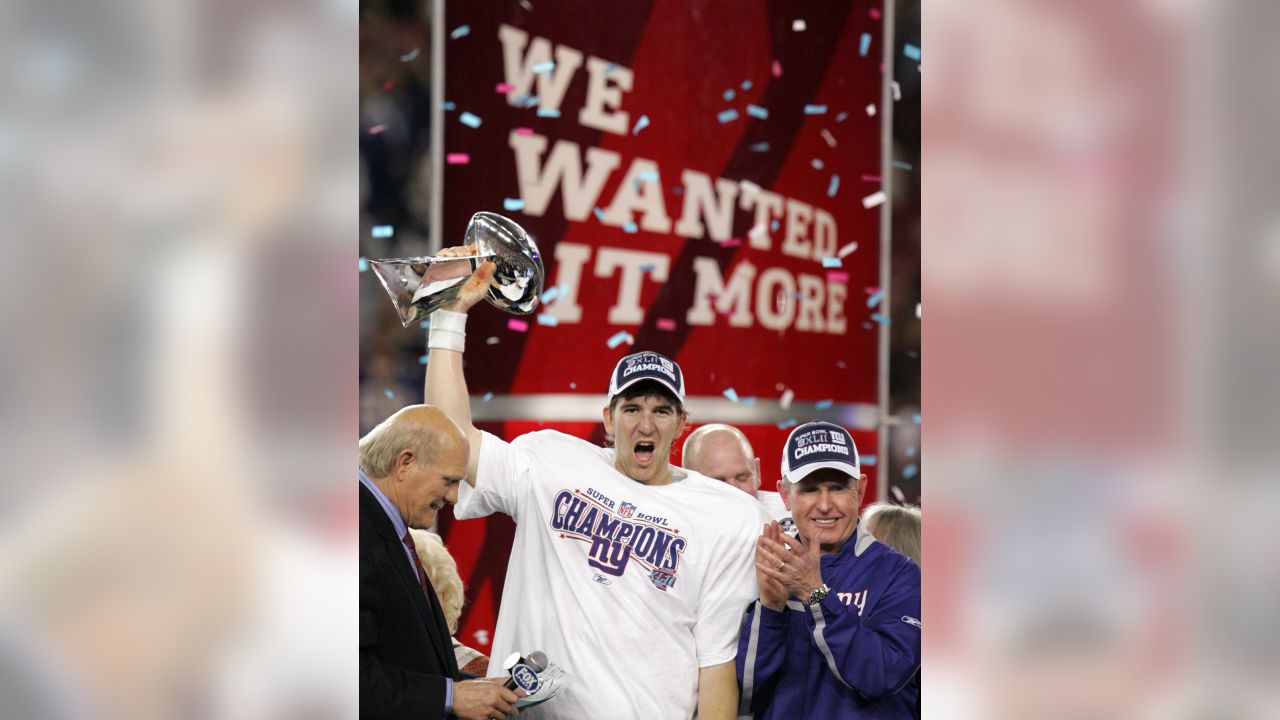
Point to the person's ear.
(862, 486)
(755, 472)
(785, 492)
(406, 458)
(608, 420)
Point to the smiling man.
(628, 572)
(836, 632)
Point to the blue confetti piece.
(816, 163)
(815, 109)
(598, 213)
(727, 116)
(648, 268)
(549, 295)
(460, 31)
(728, 95)
(611, 67)
(910, 471)
(788, 423)
(512, 204)
(864, 44)
(756, 111)
(833, 186)
(867, 460)
(901, 165)
(911, 451)
(410, 56)
(617, 339)
(527, 100)
(641, 123)
(831, 262)
(545, 66)
(774, 225)
(760, 147)
(488, 396)
(874, 298)
(731, 394)
(422, 359)
(382, 231)
(678, 190)
(823, 404)
(425, 324)
(915, 418)
(911, 51)
(448, 106)
(867, 325)
(842, 116)
(469, 120)
(388, 393)
(364, 264)
(548, 319)
(548, 112)
(630, 228)
(880, 318)
(746, 85)
(749, 401)
(648, 175)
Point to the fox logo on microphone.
(525, 678)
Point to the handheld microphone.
(524, 671)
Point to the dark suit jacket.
(405, 649)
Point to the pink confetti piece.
(524, 131)
(517, 325)
(875, 13)
(870, 178)
(377, 129)
(777, 69)
(826, 135)
(837, 277)
(457, 158)
(731, 242)
(504, 88)
(666, 324)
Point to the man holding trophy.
(630, 573)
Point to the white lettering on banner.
(636, 195)
(518, 67)
(711, 295)
(601, 95)
(562, 169)
(700, 204)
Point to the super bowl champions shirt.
(629, 588)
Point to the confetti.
(902, 165)
(788, 423)
(774, 225)
(487, 397)
(650, 175)
(911, 451)
(815, 109)
(915, 418)
(870, 178)
(847, 249)
(364, 264)
(598, 213)
(618, 338)
(731, 394)
(897, 91)
(749, 401)
(460, 31)
(911, 51)
(746, 85)
(648, 268)
(874, 298)
(823, 404)
(831, 262)
(897, 494)
(630, 228)
(549, 295)
(756, 111)
(728, 94)
(527, 101)
(797, 25)
(376, 129)
(548, 112)
(874, 13)
(666, 324)
(517, 325)
(382, 231)
(787, 397)
(883, 320)
(389, 393)
(917, 311)
(422, 359)
(727, 116)
(871, 110)
(874, 199)
(512, 204)
(548, 319)
(826, 135)
(731, 242)
(864, 44)
(425, 323)
(469, 120)
(760, 147)
(840, 118)
(544, 67)
(410, 56)
(457, 158)
(641, 123)
(527, 6)
(611, 68)
(837, 277)
(910, 471)
(868, 460)
(777, 69)
(833, 186)
(503, 88)
(524, 131)
(492, 340)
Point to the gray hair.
(897, 526)
(442, 569)
(379, 448)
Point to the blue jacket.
(852, 655)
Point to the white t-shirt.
(772, 502)
(628, 587)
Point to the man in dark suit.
(410, 466)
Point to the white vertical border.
(886, 254)
(436, 221)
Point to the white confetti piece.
(798, 25)
(787, 397)
(847, 249)
(871, 110)
(873, 200)
(826, 135)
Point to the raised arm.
(446, 385)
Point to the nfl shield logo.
(626, 509)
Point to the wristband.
(448, 331)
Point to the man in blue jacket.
(836, 632)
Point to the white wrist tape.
(448, 331)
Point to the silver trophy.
(418, 286)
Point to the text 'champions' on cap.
(817, 445)
(647, 365)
